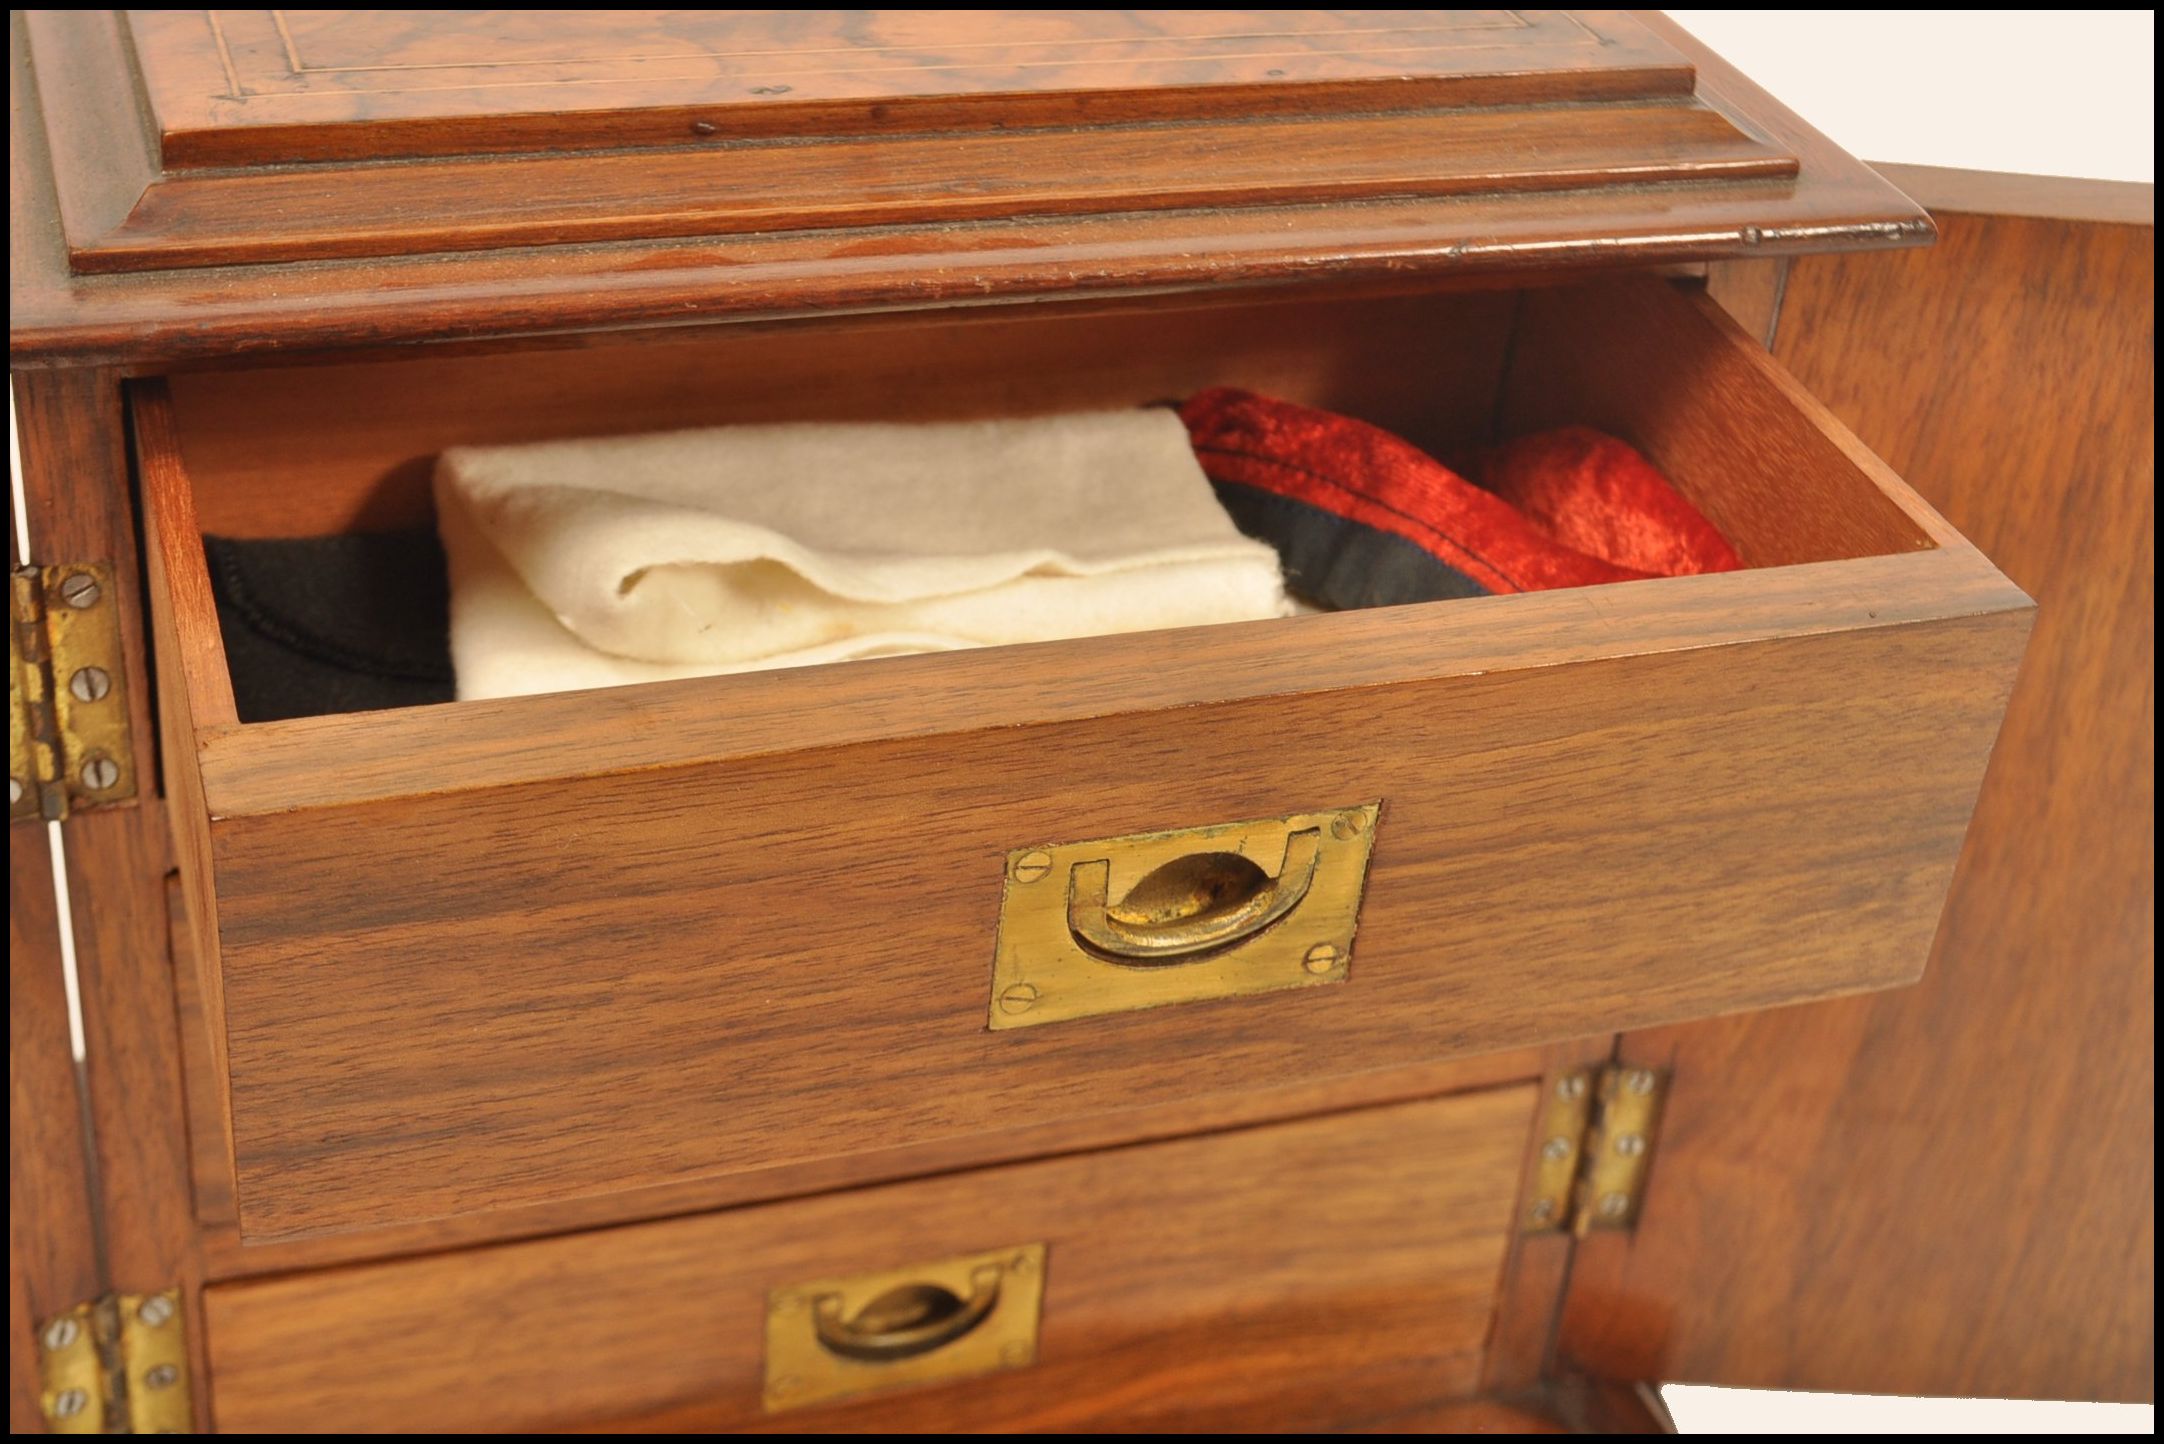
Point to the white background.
(2050, 92)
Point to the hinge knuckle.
(117, 1365)
(1594, 1149)
(69, 744)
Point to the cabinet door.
(1948, 1190)
(52, 1256)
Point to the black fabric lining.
(242, 571)
(1328, 480)
(1338, 563)
(358, 623)
(333, 624)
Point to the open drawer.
(483, 955)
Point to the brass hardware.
(906, 1320)
(1564, 1117)
(68, 739)
(29, 756)
(117, 1366)
(1619, 1148)
(1595, 1142)
(901, 1328)
(72, 1372)
(1124, 923)
(154, 1355)
(1193, 904)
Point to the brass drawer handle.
(1116, 924)
(907, 1320)
(1190, 906)
(929, 1321)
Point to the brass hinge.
(118, 1365)
(68, 744)
(1596, 1147)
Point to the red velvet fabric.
(1597, 495)
(1571, 508)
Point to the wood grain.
(302, 213)
(1279, 1277)
(52, 1224)
(891, 117)
(220, 312)
(1734, 432)
(226, 1255)
(297, 86)
(1950, 1190)
(112, 159)
(1750, 291)
(1703, 715)
(300, 451)
(194, 687)
(1742, 457)
(2008, 195)
(210, 1146)
(73, 432)
(1660, 832)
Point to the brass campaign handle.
(1192, 905)
(907, 1320)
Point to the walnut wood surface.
(607, 986)
(236, 87)
(290, 214)
(2066, 199)
(1517, 699)
(221, 312)
(226, 1256)
(368, 434)
(309, 213)
(1280, 1277)
(52, 1225)
(73, 433)
(1950, 1190)
(364, 436)
(1741, 437)
(694, 132)
(726, 996)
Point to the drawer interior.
(327, 450)
(571, 955)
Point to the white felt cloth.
(633, 559)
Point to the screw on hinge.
(80, 590)
(90, 684)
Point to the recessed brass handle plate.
(1123, 923)
(837, 1338)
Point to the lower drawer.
(1305, 1274)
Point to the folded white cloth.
(631, 559)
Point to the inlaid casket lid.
(1130, 146)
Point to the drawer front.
(1297, 1275)
(481, 956)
